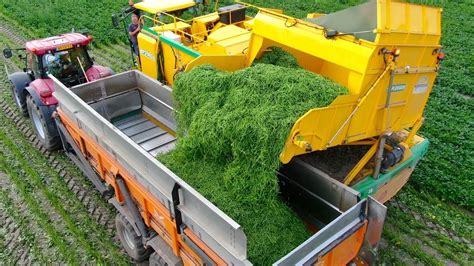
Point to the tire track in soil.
(21, 232)
(11, 33)
(40, 204)
(99, 213)
(432, 238)
(12, 234)
(97, 208)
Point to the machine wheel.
(130, 240)
(156, 260)
(40, 126)
(20, 103)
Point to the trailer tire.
(132, 243)
(40, 126)
(19, 102)
(156, 260)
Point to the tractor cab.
(67, 59)
(64, 57)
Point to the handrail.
(195, 37)
(297, 20)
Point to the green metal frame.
(369, 186)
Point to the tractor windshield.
(68, 65)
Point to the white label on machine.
(421, 86)
(170, 35)
(398, 87)
(147, 54)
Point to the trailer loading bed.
(147, 134)
(121, 123)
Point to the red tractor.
(66, 57)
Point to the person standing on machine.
(133, 29)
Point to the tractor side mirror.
(115, 21)
(7, 53)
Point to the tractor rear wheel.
(19, 101)
(40, 126)
(130, 240)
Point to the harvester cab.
(65, 57)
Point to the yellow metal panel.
(234, 39)
(210, 49)
(413, 29)
(200, 25)
(156, 6)
(212, 17)
(222, 62)
(226, 32)
(398, 16)
(148, 54)
(179, 25)
(336, 58)
(175, 62)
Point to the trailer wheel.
(40, 126)
(156, 260)
(20, 103)
(130, 240)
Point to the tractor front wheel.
(19, 101)
(41, 127)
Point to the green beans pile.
(231, 130)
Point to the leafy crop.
(448, 168)
(46, 18)
(232, 127)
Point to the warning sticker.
(421, 86)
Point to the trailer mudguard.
(46, 110)
(20, 81)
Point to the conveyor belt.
(145, 133)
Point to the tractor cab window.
(70, 64)
(33, 64)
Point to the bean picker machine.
(338, 165)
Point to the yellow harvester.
(386, 53)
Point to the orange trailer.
(113, 129)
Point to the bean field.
(50, 213)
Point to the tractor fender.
(20, 81)
(46, 110)
(97, 72)
(44, 89)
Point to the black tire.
(156, 260)
(19, 102)
(132, 243)
(40, 126)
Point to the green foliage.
(46, 18)
(448, 168)
(278, 57)
(232, 127)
